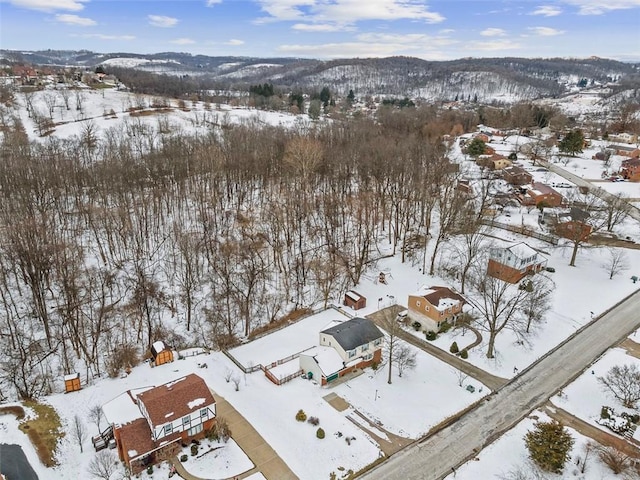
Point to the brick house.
(343, 348)
(433, 306)
(630, 169)
(516, 176)
(512, 264)
(540, 193)
(627, 151)
(149, 424)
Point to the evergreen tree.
(549, 444)
(325, 96)
(351, 97)
(476, 147)
(572, 142)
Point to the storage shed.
(354, 300)
(72, 383)
(160, 353)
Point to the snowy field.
(509, 454)
(585, 396)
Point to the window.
(365, 347)
(204, 413)
(352, 353)
(426, 308)
(168, 428)
(368, 357)
(418, 303)
(186, 420)
(195, 430)
(377, 342)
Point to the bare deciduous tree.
(624, 383)
(616, 263)
(103, 465)
(79, 431)
(404, 358)
(96, 415)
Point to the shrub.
(375, 365)
(220, 431)
(150, 469)
(315, 421)
(301, 416)
(464, 354)
(416, 326)
(194, 450)
(454, 348)
(184, 457)
(431, 336)
(320, 433)
(445, 327)
(604, 412)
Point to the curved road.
(434, 457)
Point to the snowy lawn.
(415, 402)
(585, 396)
(509, 453)
(282, 343)
(217, 460)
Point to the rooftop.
(353, 333)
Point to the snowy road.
(452, 446)
(599, 192)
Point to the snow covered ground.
(585, 396)
(509, 454)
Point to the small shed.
(72, 382)
(160, 353)
(354, 300)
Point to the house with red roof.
(150, 423)
(431, 307)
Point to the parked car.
(550, 269)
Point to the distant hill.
(487, 80)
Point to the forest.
(110, 243)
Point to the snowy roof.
(353, 333)
(327, 358)
(522, 250)
(440, 298)
(71, 376)
(123, 408)
(158, 346)
(176, 399)
(353, 295)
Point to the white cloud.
(547, 11)
(375, 45)
(162, 21)
(50, 5)
(321, 27)
(545, 31)
(101, 36)
(493, 32)
(495, 45)
(346, 12)
(234, 42)
(74, 20)
(211, 3)
(598, 7)
(183, 41)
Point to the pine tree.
(572, 142)
(476, 147)
(549, 444)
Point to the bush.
(454, 348)
(194, 450)
(315, 421)
(604, 412)
(301, 416)
(431, 336)
(220, 431)
(445, 327)
(320, 433)
(416, 326)
(184, 457)
(464, 354)
(375, 365)
(150, 469)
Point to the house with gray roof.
(343, 348)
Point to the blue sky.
(433, 30)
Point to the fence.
(523, 230)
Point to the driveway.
(14, 463)
(434, 457)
